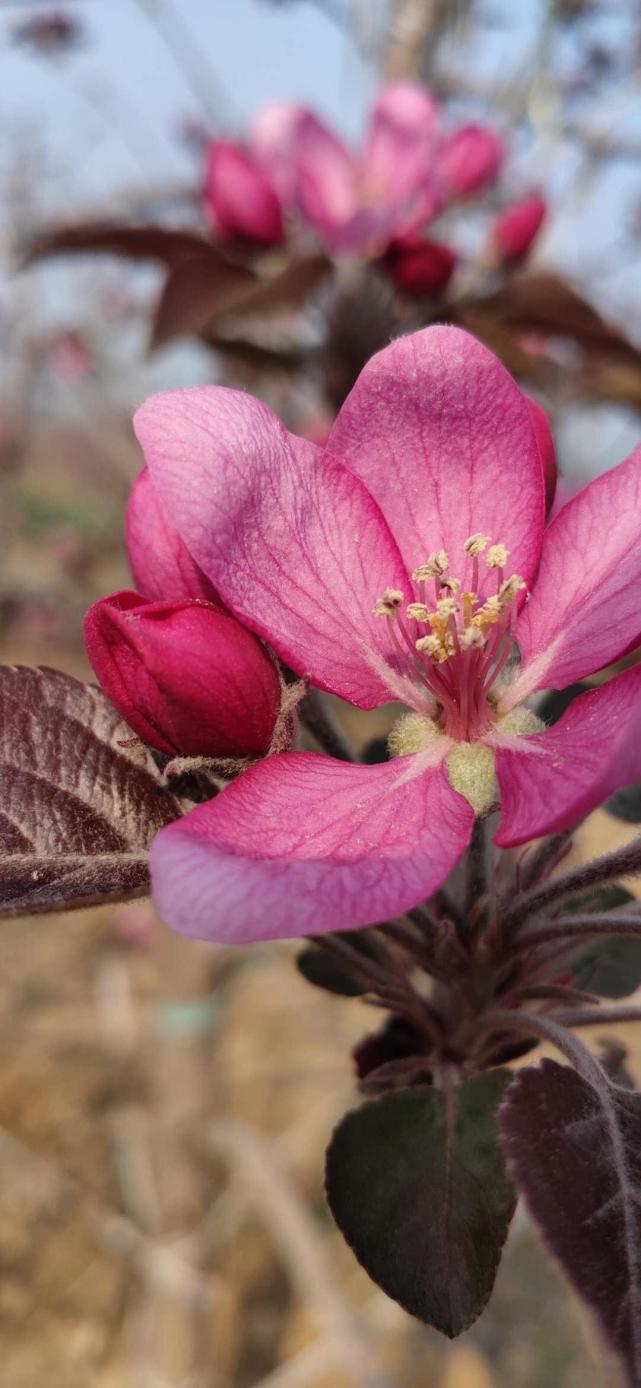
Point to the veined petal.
(443, 439)
(556, 777)
(159, 561)
(302, 844)
(293, 543)
(400, 141)
(585, 611)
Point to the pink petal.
(302, 844)
(293, 543)
(161, 564)
(238, 197)
(562, 774)
(547, 449)
(400, 143)
(272, 142)
(443, 439)
(585, 610)
(326, 177)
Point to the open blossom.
(409, 560)
(239, 199)
(356, 201)
(187, 677)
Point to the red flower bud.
(469, 161)
(186, 676)
(516, 228)
(161, 564)
(419, 267)
(239, 199)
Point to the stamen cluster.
(457, 645)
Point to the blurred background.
(164, 1105)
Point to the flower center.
(452, 646)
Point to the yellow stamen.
(388, 604)
(418, 612)
(436, 564)
(475, 544)
(496, 557)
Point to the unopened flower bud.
(515, 230)
(186, 676)
(469, 161)
(239, 199)
(418, 267)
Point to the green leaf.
(598, 900)
(418, 1187)
(611, 968)
(325, 972)
(626, 804)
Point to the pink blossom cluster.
(412, 559)
(375, 202)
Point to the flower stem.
(577, 927)
(624, 862)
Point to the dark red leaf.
(78, 805)
(148, 242)
(575, 1153)
(199, 289)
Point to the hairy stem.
(577, 928)
(624, 862)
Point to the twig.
(299, 1242)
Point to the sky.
(107, 117)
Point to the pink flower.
(239, 200)
(515, 229)
(419, 267)
(395, 565)
(186, 676)
(357, 202)
(469, 160)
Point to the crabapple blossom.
(408, 560)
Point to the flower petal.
(161, 564)
(293, 543)
(584, 612)
(302, 844)
(396, 162)
(326, 181)
(443, 439)
(562, 774)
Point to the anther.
(435, 565)
(418, 612)
(510, 588)
(496, 557)
(475, 544)
(446, 607)
(389, 603)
